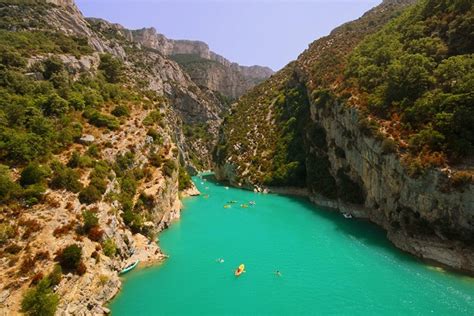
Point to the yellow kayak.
(240, 270)
(227, 206)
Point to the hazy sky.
(261, 32)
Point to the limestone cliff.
(307, 126)
(205, 67)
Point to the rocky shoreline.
(148, 253)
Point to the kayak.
(129, 267)
(240, 270)
(227, 206)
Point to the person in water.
(278, 273)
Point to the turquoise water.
(328, 264)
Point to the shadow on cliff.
(362, 230)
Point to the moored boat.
(129, 267)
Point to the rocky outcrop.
(206, 68)
(422, 215)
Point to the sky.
(251, 32)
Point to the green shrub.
(6, 232)
(111, 67)
(93, 151)
(76, 100)
(169, 167)
(184, 179)
(33, 173)
(70, 257)
(133, 220)
(152, 118)
(78, 161)
(56, 275)
(153, 133)
(102, 120)
(426, 137)
(121, 110)
(90, 195)
(40, 300)
(11, 58)
(64, 178)
(8, 188)
(52, 65)
(369, 127)
(155, 159)
(90, 220)
(109, 247)
(128, 185)
(99, 183)
(123, 163)
(33, 194)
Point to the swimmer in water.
(278, 273)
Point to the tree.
(65, 178)
(111, 67)
(33, 174)
(90, 195)
(70, 257)
(8, 188)
(90, 220)
(40, 300)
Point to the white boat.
(347, 215)
(129, 267)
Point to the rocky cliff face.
(423, 216)
(205, 67)
(301, 126)
(160, 99)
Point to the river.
(328, 264)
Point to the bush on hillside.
(40, 300)
(70, 257)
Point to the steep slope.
(206, 68)
(370, 119)
(93, 156)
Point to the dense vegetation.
(292, 113)
(419, 70)
(193, 62)
(43, 109)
